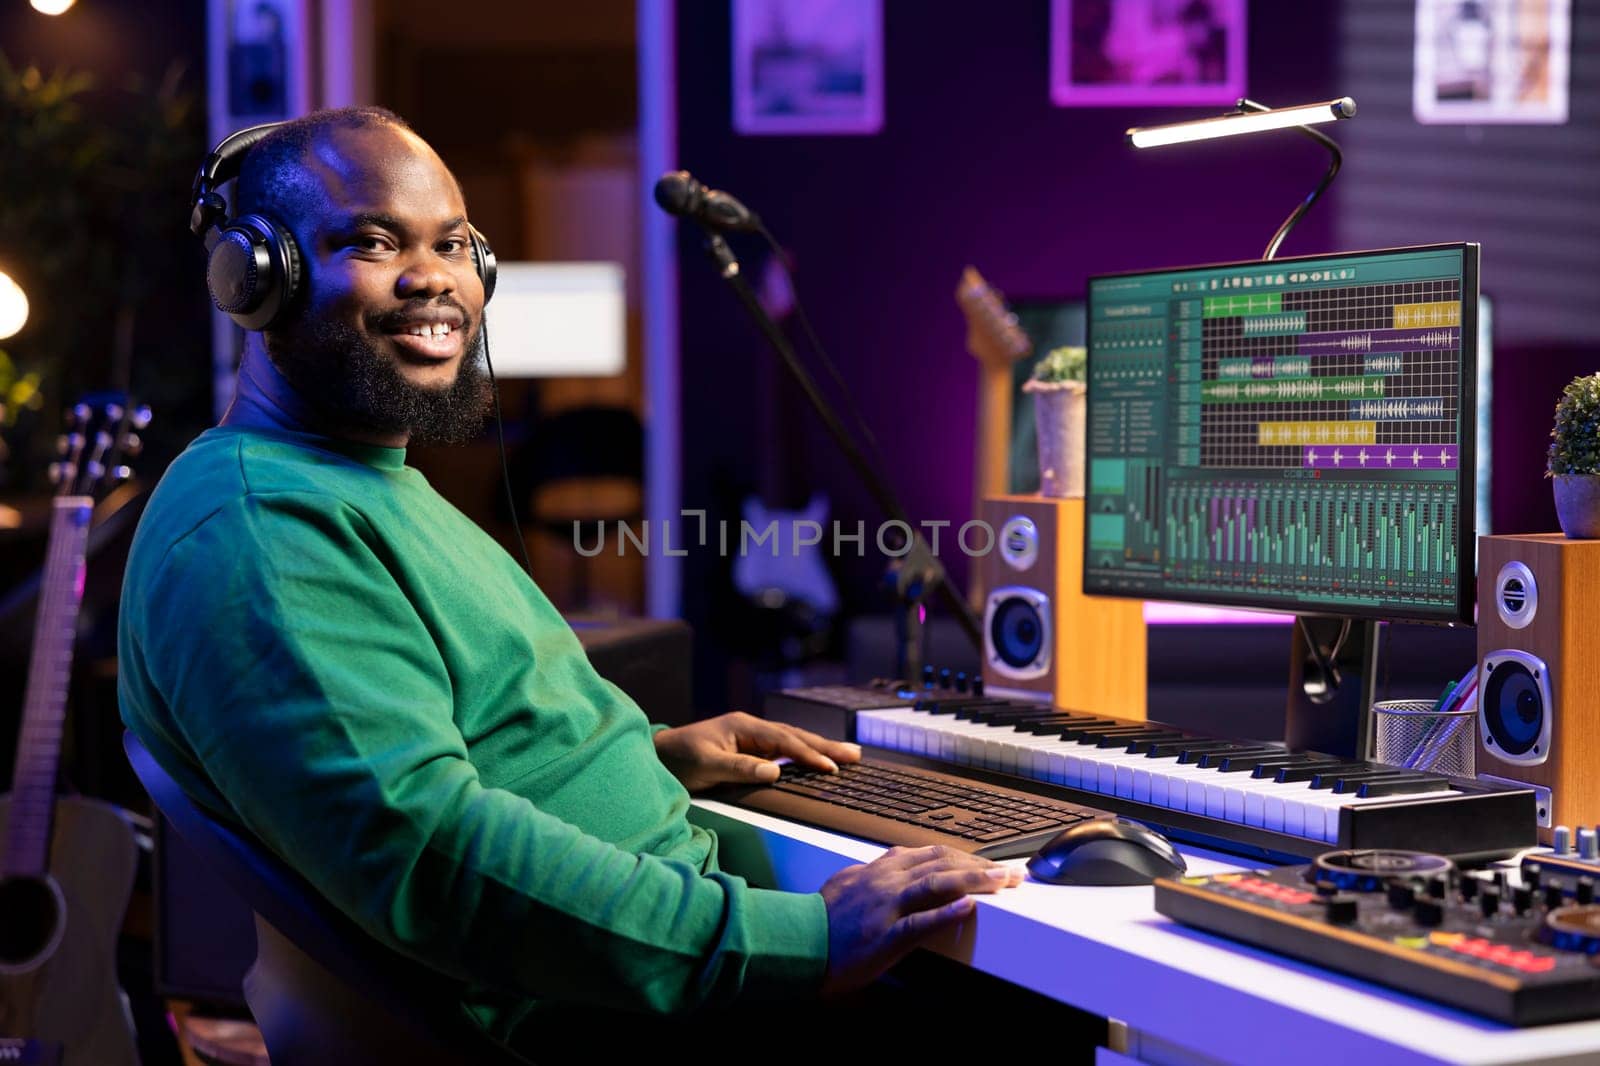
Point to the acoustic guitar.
(996, 341)
(67, 864)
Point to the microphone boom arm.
(933, 575)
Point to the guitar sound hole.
(31, 911)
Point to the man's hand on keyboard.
(738, 748)
(879, 911)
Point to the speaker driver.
(1514, 707)
(1017, 631)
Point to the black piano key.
(1007, 715)
(1124, 740)
(1172, 748)
(1213, 760)
(968, 710)
(1344, 783)
(1369, 772)
(1026, 725)
(1237, 762)
(942, 704)
(1401, 786)
(1047, 728)
(1090, 734)
(1312, 767)
(1195, 754)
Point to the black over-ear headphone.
(255, 270)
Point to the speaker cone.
(1516, 706)
(1017, 628)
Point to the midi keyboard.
(1246, 797)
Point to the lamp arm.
(1305, 205)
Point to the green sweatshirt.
(317, 645)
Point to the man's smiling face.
(386, 336)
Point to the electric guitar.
(996, 340)
(67, 865)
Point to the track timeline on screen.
(1293, 434)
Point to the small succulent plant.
(1575, 438)
(1058, 366)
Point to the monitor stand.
(1331, 686)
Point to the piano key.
(1363, 772)
(1196, 754)
(1309, 770)
(1397, 787)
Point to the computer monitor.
(1293, 435)
(559, 320)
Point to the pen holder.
(1412, 734)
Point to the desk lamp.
(1251, 117)
(1317, 665)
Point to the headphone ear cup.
(254, 271)
(483, 258)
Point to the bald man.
(323, 651)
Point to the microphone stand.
(916, 572)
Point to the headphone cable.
(505, 466)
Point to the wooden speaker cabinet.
(1042, 635)
(1539, 671)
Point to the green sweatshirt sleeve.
(309, 690)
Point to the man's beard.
(339, 372)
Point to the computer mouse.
(1106, 851)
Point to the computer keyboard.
(893, 804)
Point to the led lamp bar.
(1248, 122)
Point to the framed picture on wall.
(1492, 61)
(807, 66)
(1147, 53)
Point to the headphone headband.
(219, 168)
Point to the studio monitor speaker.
(1042, 636)
(1539, 670)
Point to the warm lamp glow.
(52, 7)
(13, 306)
(1246, 122)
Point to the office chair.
(321, 989)
(579, 468)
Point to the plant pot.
(1058, 414)
(1578, 505)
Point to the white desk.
(1186, 996)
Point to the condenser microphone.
(680, 194)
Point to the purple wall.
(974, 165)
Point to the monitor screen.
(1293, 435)
(558, 320)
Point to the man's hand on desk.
(738, 748)
(879, 911)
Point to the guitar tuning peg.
(121, 473)
(62, 444)
(57, 472)
(80, 414)
(113, 412)
(95, 469)
(141, 416)
(132, 445)
(102, 440)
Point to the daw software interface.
(1293, 434)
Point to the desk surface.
(1106, 950)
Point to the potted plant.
(1059, 391)
(1575, 457)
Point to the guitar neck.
(992, 471)
(27, 851)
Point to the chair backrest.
(322, 989)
